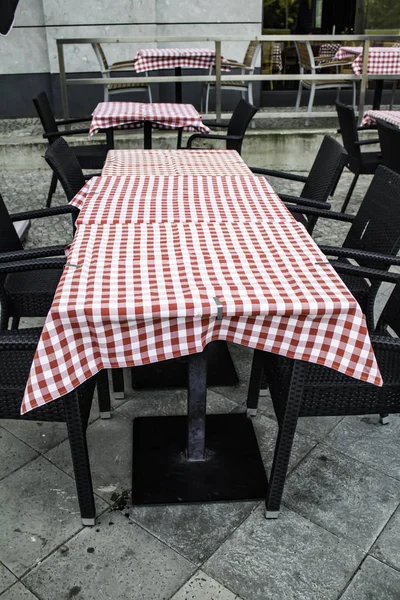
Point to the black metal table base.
(162, 474)
(174, 373)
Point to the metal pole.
(63, 79)
(364, 81)
(218, 79)
(197, 398)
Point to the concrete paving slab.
(374, 581)
(13, 453)
(283, 559)
(193, 530)
(387, 546)
(366, 440)
(342, 495)
(110, 453)
(112, 560)
(6, 578)
(18, 592)
(39, 436)
(202, 587)
(39, 510)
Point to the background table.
(131, 115)
(389, 116)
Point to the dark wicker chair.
(360, 163)
(17, 348)
(320, 183)
(66, 167)
(373, 239)
(389, 137)
(236, 128)
(90, 156)
(301, 389)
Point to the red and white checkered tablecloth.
(141, 293)
(150, 59)
(381, 60)
(130, 115)
(389, 116)
(174, 162)
(178, 198)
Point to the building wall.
(28, 55)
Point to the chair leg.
(392, 99)
(250, 99)
(384, 419)
(103, 395)
(52, 189)
(80, 461)
(310, 102)
(118, 383)
(254, 383)
(354, 96)
(207, 97)
(350, 192)
(298, 98)
(15, 323)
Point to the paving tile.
(39, 510)
(13, 453)
(18, 592)
(40, 436)
(6, 578)
(203, 587)
(365, 439)
(374, 581)
(342, 495)
(115, 559)
(283, 559)
(387, 546)
(194, 530)
(110, 454)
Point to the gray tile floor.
(338, 535)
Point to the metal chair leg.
(103, 395)
(350, 192)
(118, 383)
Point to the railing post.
(364, 81)
(218, 79)
(63, 79)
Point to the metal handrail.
(219, 78)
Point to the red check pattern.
(141, 293)
(150, 59)
(389, 116)
(178, 198)
(381, 60)
(175, 162)
(130, 115)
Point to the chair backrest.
(66, 166)
(348, 129)
(390, 316)
(101, 57)
(240, 119)
(252, 52)
(9, 240)
(305, 56)
(376, 227)
(46, 114)
(389, 137)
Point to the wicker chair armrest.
(53, 262)
(44, 212)
(386, 259)
(323, 63)
(305, 201)
(365, 272)
(66, 132)
(366, 142)
(282, 174)
(20, 339)
(385, 343)
(211, 136)
(72, 121)
(32, 253)
(326, 214)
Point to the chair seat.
(336, 83)
(30, 293)
(127, 86)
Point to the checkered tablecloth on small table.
(175, 162)
(150, 59)
(381, 60)
(389, 116)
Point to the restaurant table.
(389, 116)
(151, 59)
(382, 60)
(143, 292)
(131, 115)
(175, 162)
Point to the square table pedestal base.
(174, 373)
(232, 470)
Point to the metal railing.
(220, 78)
